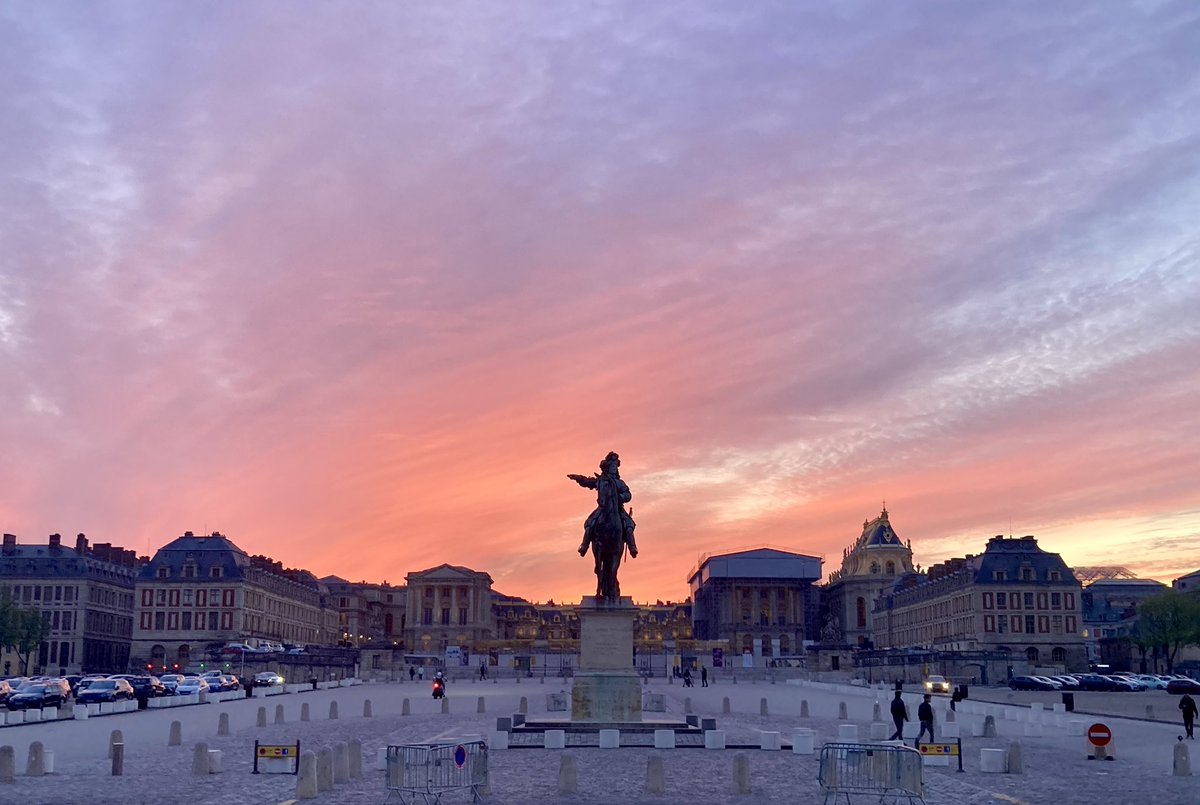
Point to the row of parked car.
(21, 693)
(1172, 683)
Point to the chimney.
(81, 544)
(10, 543)
(55, 542)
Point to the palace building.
(872, 564)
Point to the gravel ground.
(1056, 769)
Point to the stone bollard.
(306, 778)
(176, 736)
(762, 706)
(1150, 712)
(741, 773)
(989, 726)
(341, 763)
(687, 704)
(543, 681)
(480, 706)
(656, 782)
(950, 717)
(725, 706)
(876, 713)
(118, 758)
(735, 679)
(279, 719)
(114, 737)
(1181, 765)
(523, 707)
(325, 769)
(304, 716)
(1016, 760)
(35, 766)
(843, 713)
(262, 717)
(445, 705)
(367, 708)
(8, 764)
(200, 760)
(804, 708)
(223, 724)
(404, 708)
(568, 774)
(332, 717)
(354, 750)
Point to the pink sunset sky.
(359, 284)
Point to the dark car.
(5, 689)
(1101, 682)
(37, 696)
(1029, 683)
(106, 690)
(146, 685)
(1183, 686)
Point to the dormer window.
(164, 572)
(189, 571)
(999, 575)
(1027, 574)
(215, 572)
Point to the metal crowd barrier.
(430, 770)
(877, 769)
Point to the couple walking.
(900, 715)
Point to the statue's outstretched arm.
(587, 481)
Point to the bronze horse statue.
(609, 528)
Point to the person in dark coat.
(703, 677)
(955, 698)
(925, 716)
(899, 716)
(1188, 706)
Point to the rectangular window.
(1001, 601)
(987, 600)
(173, 621)
(1070, 600)
(1055, 575)
(145, 622)
(212, 620)
(68, 593)
(1014, 600)
(160, 621)
(201, 598)
(161, 598)
(185, 622)
(1029, 624)
(189, 571)
(1056, 600)
(462, 617)
(1028, 600)
(1002, 624)
(999, 575)
(1056, 624)
(445, 616)
(173, 598)
(1044, 624)
(147, 598)
(1070, 624)
(54, 621)
(187, 597)
(68, 620)
(58, 593)
(1043, 601)
(214, 572)
(1026, 574)
(427, 616)
(227, 598)
(37, 593)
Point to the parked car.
(1098, 682)
(1031, 683)
(238, 648)
(146, 685)
(1053, 683)
(267, 679)
(38, 695)
(1067, 681)
(191, 684)
(5, 689)
(1152, 682)
(231, 682)
(106, 690)
(1183, 686)
(1131, 680)
(169, 681)
(215, 679)
(937, 684)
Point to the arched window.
(766, 645)
(184, 653)
(785, 646)
(747, 644)
(1058, 655)
(874, 568)
(891, 568)
(1031, 655)
(861, 611)
(157, 654)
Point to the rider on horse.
(609, 516)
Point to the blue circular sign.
(460, 755)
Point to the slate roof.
(207, 552)
(1011, 555)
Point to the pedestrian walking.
(925, 716)
(703, 677)
(412, 673)
(421, 673)
(955, 698)
(899, 716)
(1188, 706)
(687, 677)
(483, 670)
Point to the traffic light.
(149, 667)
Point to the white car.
(1151, 681)
(1052, 682)
(937, 684)
(267, 679)
(191, 684)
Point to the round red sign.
(1099, 735)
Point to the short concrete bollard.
(664, 739)
(989, 726)
(1150, 712)
(325, 769)
(481, 706)
(332, 717)
(950, 730)
(1181, 764)
(714, 739)
(568, 774)
(1075, 727)
(223, 724)
(261, 721)
(35, 765)
(1032, 730)
(762, 706)
(405, 710)
(769, 741)
(804, 708)
(656, 781)
(445, 705)
(354, 750)
(367, 709)
(687, 704)
(848, 733)
(725, 706)
(82, 714)
(876, 713)
(554, 739)
(8, 764)
(879, 731)
(114, 737)
(175, 738)
(200, 760)
(1016, 760)
(306, 778)
(215, 763)
(279, 719)
(741, 773)
(804, 742)
(498, 741)
(610, 739)
(341, 763)
(523, 706)
(950, 716)
(843, 712)
(993, 761)
(118, 758)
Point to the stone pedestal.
(606, 688)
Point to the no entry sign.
(1099, 735)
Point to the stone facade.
(871, 565)
(1014, 598)
(369, 615)
(448, 606)
(85, 594)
